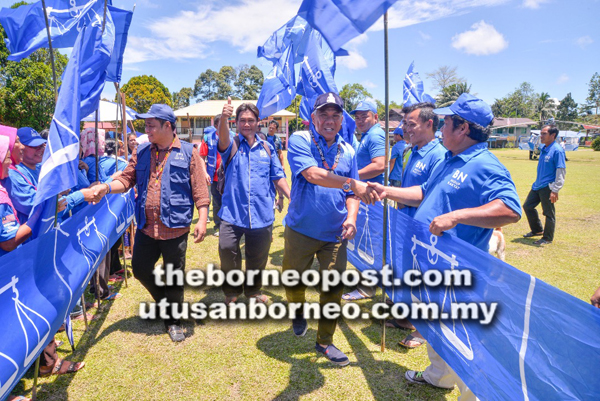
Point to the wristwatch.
(346, 185)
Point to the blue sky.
(495, 44)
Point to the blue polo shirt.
(316, 211)
(21, 191)
(372, 145)
(551, 158)
(419, 166)
(248, 196)
(468, 180)
(396, 154)
(91, 174)
(8, 225)
(275, 142)
(108, 164)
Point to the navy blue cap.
(30, 137)
(162, 111)
(399, 131)
(470, 108)
(366, 105)
(327, 99)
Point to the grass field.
(128, 358)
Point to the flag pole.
(387, 159)
(124, 132)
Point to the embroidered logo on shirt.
(458, 177)
(179, 156)
(263, 153)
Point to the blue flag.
(279, 87)
(122, 21)
(25, 25)
(83, 81)
(339, 21)
(413, 89)
(292, 34)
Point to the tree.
(143, 91)
(451, 93)
(352, 94)
(181, 99)
(381, 108)
(249, 82)
(545, 106)
(594, 92)
(519, 103)
(206, 86)
(443, 77)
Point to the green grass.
(128, 358)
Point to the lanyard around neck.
(337, 156)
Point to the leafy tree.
(206, 86)
(443, 77)
(143, 91)
(594, 92)
(519, 103)
(567, 109)
(181, 99)
(451, 93)
(352, 94)
(249, 82)
(545, 106)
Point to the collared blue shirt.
(8, 225)
(249, 195)
(275, 142)
(372, 145)
(419, 166)
(108, 164)
(470, 179)
(316, 211)
(91, 174)
(396, 154)
(551, 158)
(21, 191)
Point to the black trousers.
(216, 204)
(146, 251)
(534, 198)
(258, 243)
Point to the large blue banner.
(41, 281)
(543, 343)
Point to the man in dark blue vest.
(170, 178)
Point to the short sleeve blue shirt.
(551, 158)
(275, 142)
(421, 163)
(372, 145)
(21, 186)
(316, 211)
(248, 196)
(396, 154)
(9, 225)
(468, 180)
(91, 174)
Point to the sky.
(494, 44)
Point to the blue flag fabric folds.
(41, 281)
(121, 20)
(542, 344)
(83, 81)
(339, 21)
(292, 34)
(413, 88)
(25, 26)
(279, 87)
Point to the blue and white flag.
(279, 88)
(413, 88)
(542, 344)
(339, 21)
(83, 81)
(292, 34)
(121, 20)
(25, 25)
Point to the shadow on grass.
(525, 241)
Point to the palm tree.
(451, 93)
(545, 106)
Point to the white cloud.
(562, 79)
(424, 36)
(189, 34)
(534, 4)
(482, 40)
(354, 61)
(584, 41)
(368, 84)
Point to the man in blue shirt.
(370, 155)
(322, 213)
(396, 159)
(550, 179)
(468, 194)
(274, 139)
(251, 164)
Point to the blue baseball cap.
(365, 105)
(162, 111)
(329, 98)
(30, 137)
(470, 108)
(399, 131)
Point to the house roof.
(210, 108)
(393, 124)
(501, 122)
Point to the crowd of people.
(455, 185)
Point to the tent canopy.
(107, 111)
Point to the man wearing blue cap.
(171, 179)
(370, 155)
(322, 213)
(396, 158)
(467, 195)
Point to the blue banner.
(543, 343)
(279, 87)
(42, 280)
(122, 21)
